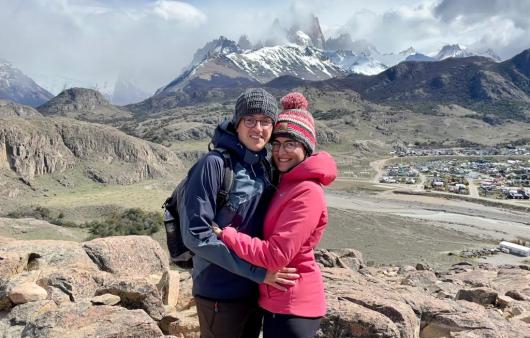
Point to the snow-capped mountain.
(358, 56)
(489, 53)
(267, 63)
(453, 51)
(458, 51)
(351, 62)
(257, 66)
(18, 87)
(392, 59)
(300, 51)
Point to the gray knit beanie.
(255, 101)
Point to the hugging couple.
(254, 263)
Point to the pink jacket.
(294, 224)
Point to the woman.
(294, 224)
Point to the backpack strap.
(228, 178)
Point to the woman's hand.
(285, 276)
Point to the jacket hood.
(320, 167)
(225, 138)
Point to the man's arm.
(197, 212)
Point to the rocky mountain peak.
(315, 32)
(408, 51)
(342, 42)
(452, 51)
(307, 33)
(220, 46)
(244, 42)
(522, 62)
(459, 51)
(488, 52)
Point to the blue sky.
(153, 40)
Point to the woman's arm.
(298, 219)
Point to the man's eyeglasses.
(251, 122)
(288, 146)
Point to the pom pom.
(294, 100)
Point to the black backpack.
(180, 255)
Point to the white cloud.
(98, 39)
(178, 11)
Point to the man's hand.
(285, 276)
(216, 230)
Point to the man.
(225, 287)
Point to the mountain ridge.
(18, 87)
(84, 104)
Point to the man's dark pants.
(221, 319)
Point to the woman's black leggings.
(289, 326)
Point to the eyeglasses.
(288, 146)
(251, 122)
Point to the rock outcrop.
(405, 302)
(122, 287)
(110, 287)
(38, 146)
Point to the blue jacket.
(217, 272)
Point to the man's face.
(254, 131)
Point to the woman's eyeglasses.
(288, 146)
(251, 122)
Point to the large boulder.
(137, 255)
(480, 296)
(42, 319)
(42, 254)
(341, 258)
(136, 294)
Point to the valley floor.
(405, 229)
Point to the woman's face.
(287, 153)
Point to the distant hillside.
(478, 83)
(39, 146)
(11, 109)
(344, 121)
(83, 104)
(18, 87)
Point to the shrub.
(42, 213)
(128, 222)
